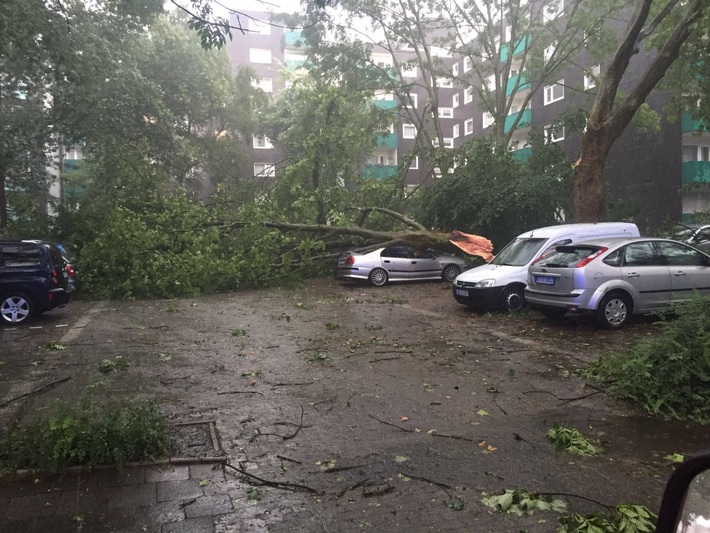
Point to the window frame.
(405, 128)
(550, 98)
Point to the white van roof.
(597, 228)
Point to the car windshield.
(567, 256)
(518, 252)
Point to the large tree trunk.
(3, 202)
(588, 185)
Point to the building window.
(508, 35)
(590, 78)
(455, 131)
(446, 112)
(693, 152)
(409, 131)
(554, 133)
(413, 105)
(409, 72)
(468, 127)
(260, 55)
(555, 92)
(262, 143)
(455, 100)
(448, 142)
(414, 165)
(444, 83)
(549, 51)
(258, 26)
(264, 170)
(467, 64)
(553, 10)
(265, 84)
(437, 172)
(468, 95)
(455, 69)
(490, 82)
(488, 119)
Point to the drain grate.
(197, 439)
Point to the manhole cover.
(196, 439)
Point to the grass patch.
(114, 365)
(70, 436)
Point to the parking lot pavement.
(167, 498)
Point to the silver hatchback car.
(615, 278)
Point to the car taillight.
(70, 270)
(590, 258)
(53, 277)
(350, 260)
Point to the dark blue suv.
(33, 279)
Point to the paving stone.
(207, 471)
(131, 496)
(112, 477)
(209, 506)
(167, 473)
(164, 512)
(32, 506)
(204, 524)
(179, 490)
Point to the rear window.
(19, 256)
(567, 256)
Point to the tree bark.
(588, 178)
(3, 202)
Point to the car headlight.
(485, 283)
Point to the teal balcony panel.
(295, 64)
(688, 124)
(379, 171)
(695, 172)
(293, 38)
(523, 154)
(519, 49)
(72, 165)
(387, 105)
(525, 120)
(523, 84)
(387, 141)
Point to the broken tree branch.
(40, 389)
(293, 487)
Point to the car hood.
(492, 271)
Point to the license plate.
(544, 280)
(461, 292)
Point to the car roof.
(550, 231)
(619, 241)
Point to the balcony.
(523, 84)
(523, 154)
(379, 171)
(293, 38)
(387, 141)
(695, 172)
(387, 105)
(70, 166)
(525, 120)
(294, 64)
(519, 49)
(689, 125)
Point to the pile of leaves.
(520, 502)
(667, 373)
(622, 519)
(71, 436)
(571, 440)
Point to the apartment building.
(645, 170)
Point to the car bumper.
(573, 302)
(352, 273)
(479, 298)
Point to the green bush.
(667, 373)
(71, 436)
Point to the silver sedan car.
(615, 278)
(399, 263)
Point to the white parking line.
(73, 333)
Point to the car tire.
(15, 309)
(614, 310)
(378, 277)
(513, 299)
(450, 272)
(553, 313)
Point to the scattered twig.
(392, 351)
(457, 437)
(328, 401)
(240, 392)
(283, 458)
(408, 430)
(378, 491)
(294, 487)
(186, 503)
(351, 487)
(570, 495)
(38, 390)
(299, 427)
(341, 469)
(427, 480)
(284, 384)
(573, 399)
(347, 402)
(384, 359)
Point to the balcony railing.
(522, 85)
(525, 120)
(387, 141)
(522, 154)
(695, 172)
(519, 49)
(379, 171)
(688, 124)
(293, 38)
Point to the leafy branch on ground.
(70, 436)
(114, 365)
(521, 502)
(621, 519)
(667, 373)
(571, 440)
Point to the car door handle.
(414, 262)
(679, 273)
(633, 275)
(386, 261)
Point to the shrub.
(668, 373)
(71, 436)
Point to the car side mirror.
(685, 507)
